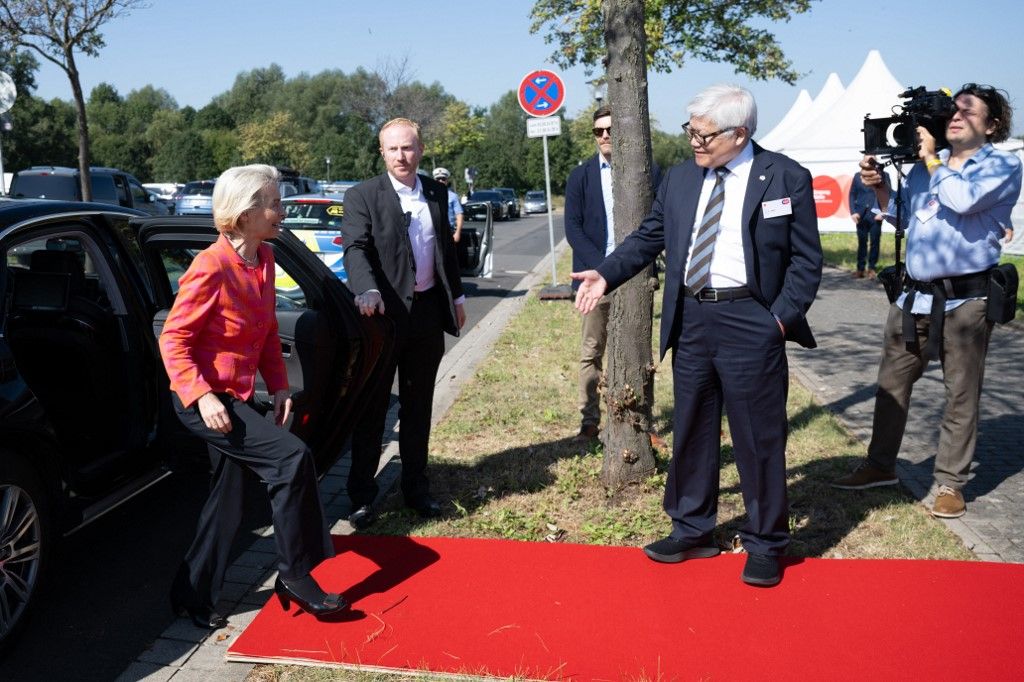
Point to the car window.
(87, 280)
(204, 189)
(177, 259)
(299, 214)
(45, 187)
(139, 193)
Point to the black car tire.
(25, 542)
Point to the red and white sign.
(541, 93)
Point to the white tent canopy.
(800, 106)
(827, 137)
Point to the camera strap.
(974, 285)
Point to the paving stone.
(146, 672)
(168, 652)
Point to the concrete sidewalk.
(847, 319)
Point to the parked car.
(536, 202)
(511, 200)
(316, 220)
(85, 416)
(498, 204)
(195, 197)
(164, 192)
(109, 186)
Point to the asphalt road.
(106, 598)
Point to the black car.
(109, 186)
(499, 207)
(85, 420)
(511, 200)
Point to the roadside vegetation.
(505, 462)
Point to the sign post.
(541, 94)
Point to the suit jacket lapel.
(757, 184)
(393, 214)
(594, 180)
(686, 196)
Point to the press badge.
(773, 209)
(928, 211)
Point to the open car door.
(332, 353)
(476, 246)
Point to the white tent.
(829, 144)
(800, 106)
(831, 93)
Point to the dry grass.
(504, 462)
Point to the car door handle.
(286, 350)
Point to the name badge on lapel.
(773, 209)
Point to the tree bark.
(629, 367)
(82, 124)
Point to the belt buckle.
(709, 294)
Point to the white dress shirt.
(728, 265)
(421, 230)
(609, 203)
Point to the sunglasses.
(599, 132)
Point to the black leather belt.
(417, 295)
(709, 295)
(973, 285)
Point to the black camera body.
(896, 136)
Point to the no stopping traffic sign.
(541, 93)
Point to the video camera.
(896, 136)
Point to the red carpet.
(575, 612)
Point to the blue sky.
(480, 50)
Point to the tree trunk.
(82, 125)
(629, 368)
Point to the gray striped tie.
(699, 273)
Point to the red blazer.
(222, 327)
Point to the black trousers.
(419, 347)
(729, 354)
(280, 459)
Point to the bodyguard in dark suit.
(590, 231)
(401, 260)
(869, 226)
(743, 263)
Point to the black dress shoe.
(671, 551)
(425, 505)
(308, 596)
(362, 517)
(762, 570)
(206, 619)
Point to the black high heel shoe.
(313, 600)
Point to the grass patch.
(504, 461)
(840, 251)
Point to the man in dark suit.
(869, 226)
(401, 260)
(591, 234)
(743, 263)
(590, 231)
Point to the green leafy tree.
(274, 140)
(458, 129)
(42, 133)
(627, 36)
(56, 30)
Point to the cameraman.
(958, 204)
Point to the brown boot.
(859, 274)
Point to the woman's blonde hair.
(239, 189)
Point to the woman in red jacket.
(221, 330)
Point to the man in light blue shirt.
(957, 205)
(454, 205)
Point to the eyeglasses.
(703, 140)
(599, 132)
